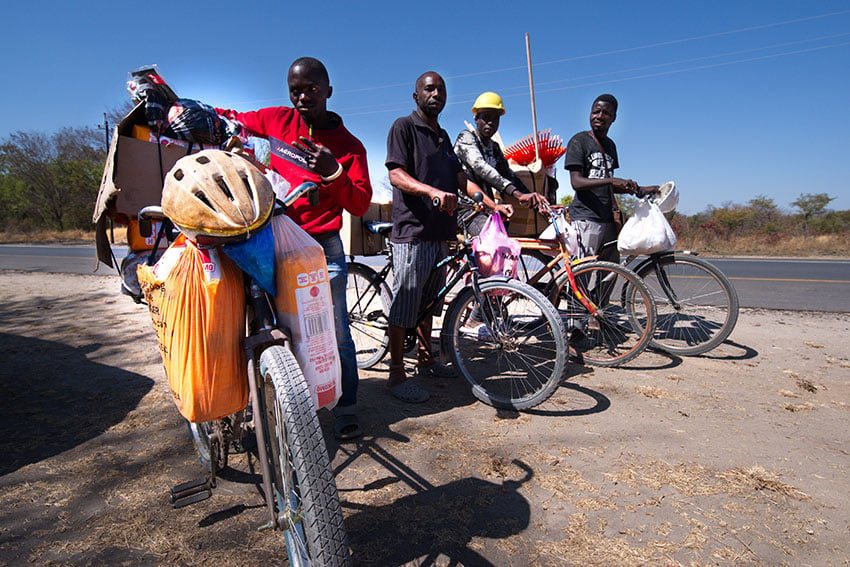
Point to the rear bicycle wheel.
(623, 324)
(210, 445)
(697, 304)
(368, 298)
(516, 357)
(305, 494)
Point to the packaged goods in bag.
(496, 253)
(197, 304)
(646, 232)
(304, 308)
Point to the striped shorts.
(415, 281)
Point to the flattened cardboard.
(132, 176)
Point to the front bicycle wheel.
(613, 327)
(515, 355)
(697, 304)
(305, 494)
(368, 298)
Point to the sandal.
(408, 391)
(346, 427)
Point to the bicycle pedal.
(199, 483)
(191, 499)
(190, 492)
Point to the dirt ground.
(738, 458)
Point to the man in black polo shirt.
(422, 166)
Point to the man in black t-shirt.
(422, 167)
(591, 160)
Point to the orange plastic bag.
(197, 303)
(304, 308)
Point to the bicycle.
(297, 480)
(607, 327)
(514, 359)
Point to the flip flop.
(409, 392)
(346, 427)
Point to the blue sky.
(731, 99)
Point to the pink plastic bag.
(496, 253)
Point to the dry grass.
(59, 237)
(820, 245)
(741, 481)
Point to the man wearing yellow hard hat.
(482, 158)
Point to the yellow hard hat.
(488, 100)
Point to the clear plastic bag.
(303, 305)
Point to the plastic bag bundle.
(496, 254)
(197, 304)
(646, 232)
(146, 85)
(304, 308)
(194, 121)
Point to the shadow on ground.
(437, 521)
(52, 398)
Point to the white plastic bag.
(303, 305)
(646, 232)
(566, 228)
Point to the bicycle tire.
(530, 263)
(624, 324)
(211, 455)
(305, 494)
(368, 298)
(703, 311)
(521, 359)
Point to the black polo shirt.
(427, 156)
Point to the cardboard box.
(132, 177)
(525, 221)
(356, 239)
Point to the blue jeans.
(338, 274)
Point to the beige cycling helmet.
(216, 193)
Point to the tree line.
(50, 182)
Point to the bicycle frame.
(561, 254)
(663, 280)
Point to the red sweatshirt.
(351, 191)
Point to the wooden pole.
(531, 90)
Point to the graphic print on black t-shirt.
(599, 169)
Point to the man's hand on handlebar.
(447, 202)
(534, 200)
(507, 211)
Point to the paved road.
(796, 284)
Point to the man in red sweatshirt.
(335, 160)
